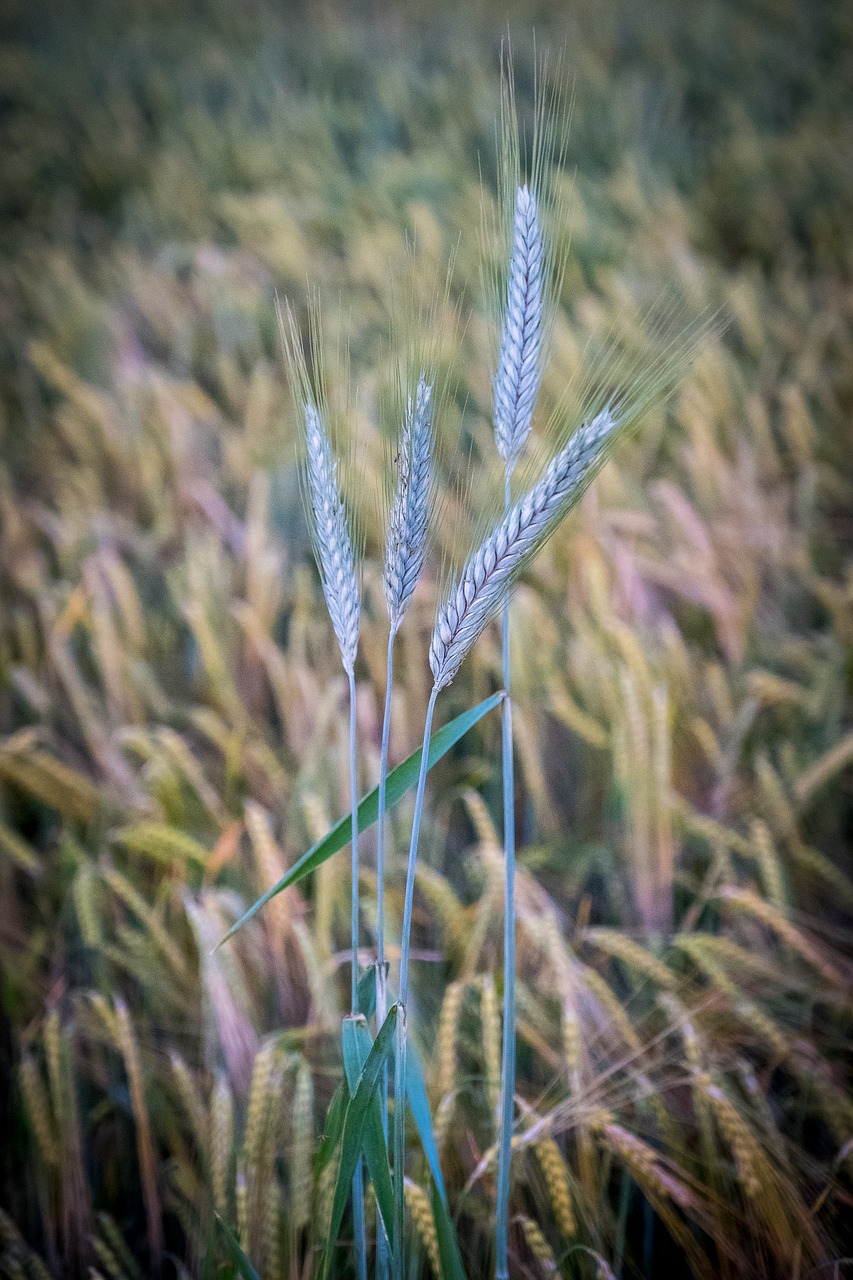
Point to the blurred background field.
(171, 708)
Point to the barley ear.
(422, 1216)
(333, 546)
(221, 1143)
(491, 570)
(406, 542)
(516, 383)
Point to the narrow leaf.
(417, 1096)
(367, 990)
(399, 781)
(332, 1129)
(448, 1250)
(354, 1125)
(451, 1263)
(357, 1042)
(238, 1257)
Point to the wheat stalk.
(405, 552)
(477, 596)
(515, 388)
(337, 562)
(530, 277)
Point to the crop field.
(176, 182)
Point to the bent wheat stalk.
(473, 601)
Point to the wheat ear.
(491, 570)
(516, 383)
(330, 533)
(406, 543)
(405, 552)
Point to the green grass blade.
(419, 1104)
(238, 1257)
(416, 1094)
(355, 1121)
(448, 1250)
(400, 780)
(367, 990)
(332, 1130)
(357, 1042)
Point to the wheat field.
(173, 713)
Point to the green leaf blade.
(400, 780)
(448, 1249)
(238, 1257)
(355, 1121)
(357, 1043)
(416, 1095)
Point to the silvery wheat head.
(330, 525)
(491, 570)
(330, 534)
(516, 382)
(406, 542)
(619, 389)
(525, 228)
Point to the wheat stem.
(381, 976)
(516, 387)
(353, 791)
(508, 1055)
(400, 1056)
(358, 1180)
(404, 559)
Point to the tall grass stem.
(353, 782)
(381, 975)
(508, 1056)
(358, 1179)
(400, 1056)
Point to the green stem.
(358, 1179)
(381, 976)
(508, 1054)
(400, 1055)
